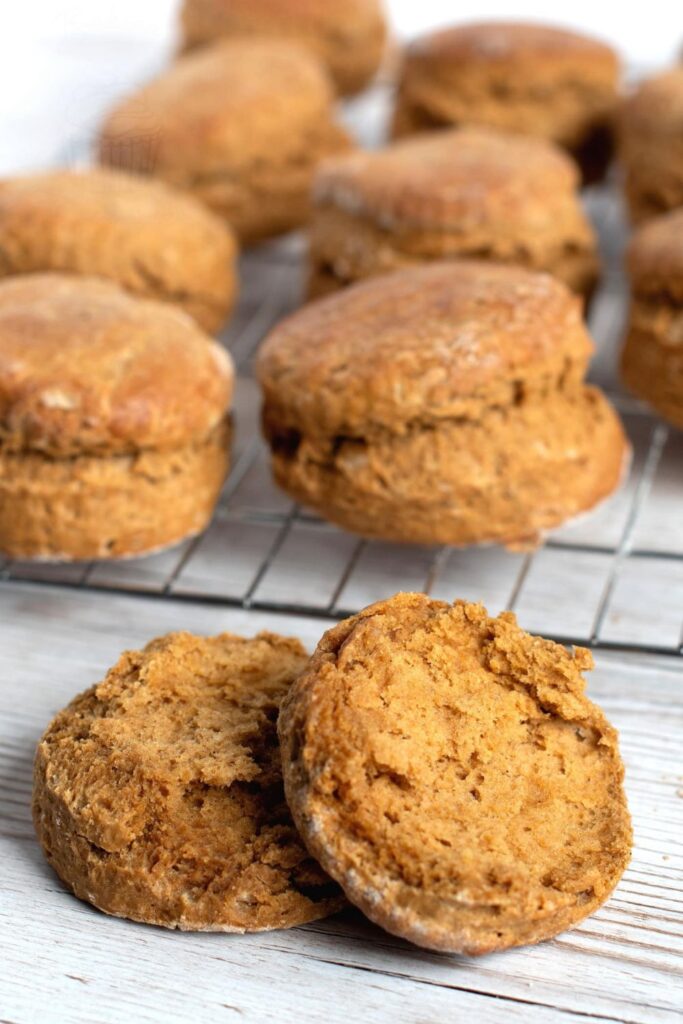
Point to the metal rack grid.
(612, 579)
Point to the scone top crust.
(534, 51)
(158, 793)
(452, 179)
(182, 230)
(655, 108)
(239, 99)
(655, 257)
(86, 368)
(449, 771)
(203, 20)
(419, 346)
(348, 35)
(153, 239)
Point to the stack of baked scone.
(462, 193)
(114, 420)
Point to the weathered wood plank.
(622, 964)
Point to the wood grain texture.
(64, 962)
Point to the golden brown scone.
(441, 404)
(241, 124)
(522, 77)
(449, 772)
(442, 195)
(651, 145)
(158, 792)
(652, 360)
(153, 240)
(348, 36)
(114, 420)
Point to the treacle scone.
(520, 77)
(652, 360)
(241, 125)
(449, 771)
(470, 192)
(154, 240)
(114, 420)
(651, 145)
(347, 36)
(441, 404)
(158, 792)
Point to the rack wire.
(613, 579)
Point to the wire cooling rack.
(613, 579)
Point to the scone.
(114, 420)
(441, 404)
(348, 36)
(151, 239)
(448, 770)
(652, 360)
(442, 195)
(158, 792)
(651, 145)
(521, 77)
(241, 124)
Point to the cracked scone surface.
(447, 769)
(522, 77)
(440, 404)
(348, 36)
(114, 420)
(454, 194)
(240, 124)
(151, 239)
(652, 359)
(158, 792)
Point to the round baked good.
(151, 239)
(652, 359)
(440, 404)
(241, 124)
(114, 422)
(348, 36)
(158, 792)
(651, 145)
(447, 769)
(442, 195)
(521, 77)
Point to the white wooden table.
(614, 580)
(63, 962)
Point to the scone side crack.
(574, 262)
